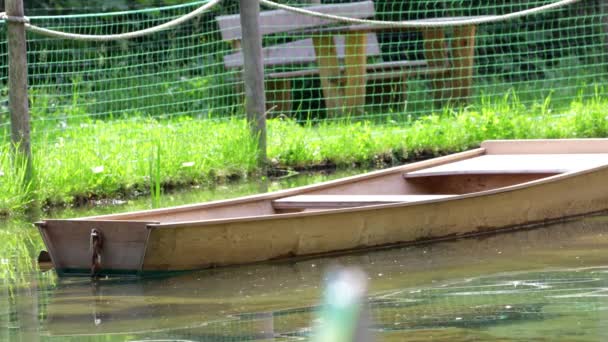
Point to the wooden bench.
(302, 202)
(343, 83)
(504, 164)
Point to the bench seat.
(515, 164)
(342, 63)
(301, 202)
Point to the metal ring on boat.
(96, 244)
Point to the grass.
(347, 143)
(15, 191)
(86, 159)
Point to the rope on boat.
(95, 245)
(424, 23)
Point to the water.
(545, 284)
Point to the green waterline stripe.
(118, 13)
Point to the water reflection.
(542, 284)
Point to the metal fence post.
(17, 81)
(253, 74)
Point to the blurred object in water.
(344, 316)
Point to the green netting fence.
(315, 73)
(188, 70)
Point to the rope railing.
(103, 38)
(423, 23)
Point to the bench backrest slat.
(278, 21)
(298, 52)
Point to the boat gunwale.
(511, 188)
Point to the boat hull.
(189, 246)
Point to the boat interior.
(480, 173)
(432, 180)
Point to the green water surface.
(544, 284)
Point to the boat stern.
(95, 247)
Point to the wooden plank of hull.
(68, 244)
(195, 245)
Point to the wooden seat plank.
(347, 201)
(515, 164)
(299, 52)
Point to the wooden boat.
(501, 185)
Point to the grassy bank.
(81, 160)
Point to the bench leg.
(329, 73)
(278, 97)
(436, 55)
(462, 64)
(355, 60)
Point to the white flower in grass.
(188, 164)
(1, 173)
(60, 142)
(97, 169)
